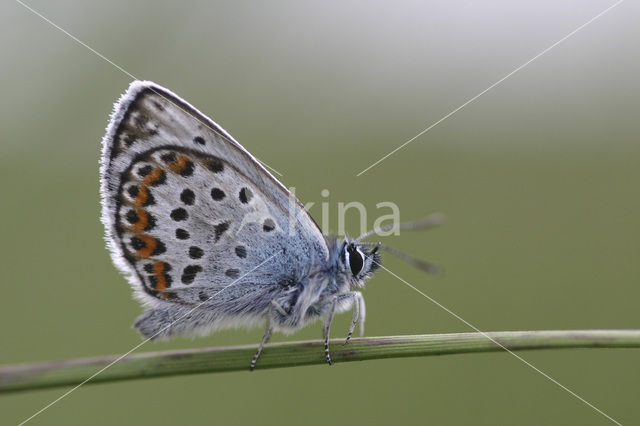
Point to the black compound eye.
(356, 260)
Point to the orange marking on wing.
(143, 195)
(143, 220)
(150, 246)
(179, 165)
(153, 176)
(158, 271)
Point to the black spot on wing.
(195, 252)
(132, 216)
(144, 170)
(153, 280)
(215, 165)
(133, 191)
(169, 157)
(179, 214)
(241, 251)
(245, 195)
(187, 170)
(182, 234)
(137, 243)
(268, 225)
(160, 248)
(217, 194)
(189, 273)
(188, 197)
(151, 222)
(232, 273)
(220, 229)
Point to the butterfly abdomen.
(166, 322)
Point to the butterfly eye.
(356, 260)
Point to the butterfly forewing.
(189, 211)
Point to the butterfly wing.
(188, 211)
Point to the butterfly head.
(359, 262)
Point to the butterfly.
(209, 239)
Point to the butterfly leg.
(265, 339)
(327, 325)
(358, 313)
(267, 332)
(363, 313)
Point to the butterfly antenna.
(420, 264)
(432, 221)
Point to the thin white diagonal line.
(503, 347)
(140, 344)
(74, 38)
(100, 55)
(491, 87)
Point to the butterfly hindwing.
(189, 211)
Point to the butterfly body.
(207, 237)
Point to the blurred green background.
(539, 179)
